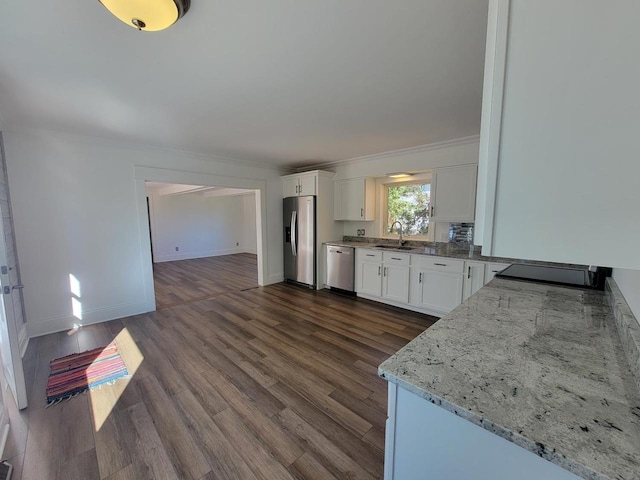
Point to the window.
(407, 203)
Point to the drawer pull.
(396, 258)
(441, 264)
(420, 278)
(369, 255)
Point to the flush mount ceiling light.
(148, 15)
(399, 175)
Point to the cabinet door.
(369, 278)
(307, 185)
(290, 187)
(473, 278)
(395, 283)
(453, 194)
(440, 291)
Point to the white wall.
(80, 210)
(249, 238)
(201, 226)
(447, 154)
(629, 284)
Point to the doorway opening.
(203, 241)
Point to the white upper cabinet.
(354, 199)
(453, 193)
(559, 157)
(300, 184)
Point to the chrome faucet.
(400, 241)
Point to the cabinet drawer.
(441, 264)
(366, 255)
(393, 258)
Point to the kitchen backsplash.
(461, 232)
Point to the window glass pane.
(409, 205)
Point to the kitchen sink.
(394, 247)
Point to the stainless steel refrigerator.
(300, 240)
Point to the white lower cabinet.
(395, 277)
(384, 275)
(473, 278)
(436, 290)
(369, 278)
(432, 285)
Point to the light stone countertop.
(439, 249)
(539, 365)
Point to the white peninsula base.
(425, 441)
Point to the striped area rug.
(79, 372)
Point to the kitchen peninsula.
(518, 373)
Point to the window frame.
(386, 182)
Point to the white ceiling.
(282, 81)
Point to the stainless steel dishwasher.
(340, 267)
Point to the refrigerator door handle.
(294, 219)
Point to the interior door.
(11, 305)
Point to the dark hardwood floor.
(274, 382)
(184, 281)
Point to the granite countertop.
(539, 365)
(439, 249)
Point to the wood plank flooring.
(274, 382)
(184, 281)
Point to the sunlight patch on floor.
(105, 398)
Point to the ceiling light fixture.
(399, 175)
(148, 15)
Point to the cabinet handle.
(378, 271)
(362, 212)
(296, 189)
(420, 278)
(469, 272)
(385, 272)
(396, 258)
(441, 264)
(431, 211)
(369, 255)
(299, 188)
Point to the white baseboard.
(171, 257)
(23, 340)
(62, 323)
(252, 251)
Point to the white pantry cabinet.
(558, 163)
(300, 184)
(453, 194)
(354, 199)
(474, 278)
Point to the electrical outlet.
(362, 232)
(177, 249)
